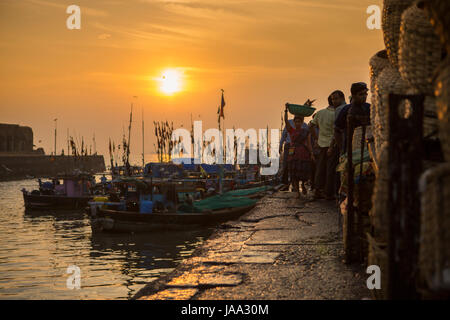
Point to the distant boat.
(73, 193)
(122, 171)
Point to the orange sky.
(263, 53)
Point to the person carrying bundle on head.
(300, 152)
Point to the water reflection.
(37, 247)
(142, 258)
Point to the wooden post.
(349, 217)
(405, 165)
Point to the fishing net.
(217, 202)
(247, 192)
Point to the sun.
(170, 81)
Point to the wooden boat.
(171, 188)
(73, 194)
(145, 206)
(56, 202)
(124, 221)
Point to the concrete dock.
(284, 249)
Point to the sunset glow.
(170, 82)
(175, 56)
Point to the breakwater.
(19, 166)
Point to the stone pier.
(284, 249)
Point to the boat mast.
(56, 123)
(95, 144)
(111, 157)
(143, 158)
(67, 141)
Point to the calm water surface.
(37, 248)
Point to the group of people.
(311, 151)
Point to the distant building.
(15, 139)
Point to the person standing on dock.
(300, 152)
(325, 176)
(338, 101)
(316, 151)
(357, 108)
(284, 149)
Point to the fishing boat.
(66, 192)
(193, 178)
(124, 221)
(123, 171)
(155, 206)
(209, 176)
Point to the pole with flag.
(127, 154)
(220, 111)
(222, 115)
(222, 105)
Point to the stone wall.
(17, 167)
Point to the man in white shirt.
(325, 180)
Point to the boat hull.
(54, 202)
(122, 221)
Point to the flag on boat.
(222, 105)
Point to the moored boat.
(72, 194)
(145, 206)
(124, 221)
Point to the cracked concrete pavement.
(284, 249)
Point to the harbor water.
(37, 250)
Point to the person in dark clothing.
(358, 109)
(300, 153)
(338, 101)
(316, 152)
(284, 149)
